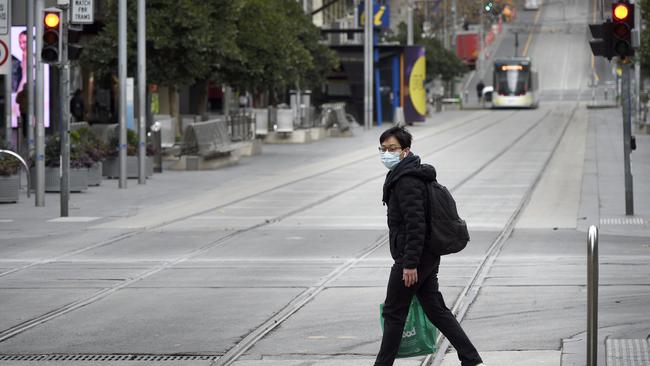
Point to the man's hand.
(410, 277)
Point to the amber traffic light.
(51, 51)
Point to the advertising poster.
(415, 98)
(19, 74)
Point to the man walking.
(415, 269)
(479, 90)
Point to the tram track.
(471, 290)
(233, 354)
(70, 307)
(159, 226)
(298, 302)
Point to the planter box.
(78, 179)
(111, 167)
(9, 188)
(95, 174)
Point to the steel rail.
(31, 323)
(257, 334)
(470, 292)
(130, 234)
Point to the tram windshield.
(512, 79)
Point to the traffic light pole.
(64, 71)
(29, 85)
(39, 111)
(627, 136)
(142, 93)
(368, 63)
(122, 79)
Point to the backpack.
(447, 232)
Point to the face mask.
(390, 159)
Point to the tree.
(644, 51)
(186, 41)
(441, 62)
(279, 48)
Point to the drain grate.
(106, 357)
(622, 221)
(628, 352)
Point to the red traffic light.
(52, 20)
(621, 30)
(621, 12)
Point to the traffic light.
(601, 45)
(622, 25)
(488, 6)
(52, 31)
(74, 39)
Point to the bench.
(207, 139)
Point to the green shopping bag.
(419, 336)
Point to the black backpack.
(446, 231)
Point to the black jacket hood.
(410, 165)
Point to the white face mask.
(390, 159)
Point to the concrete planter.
(95, 174)
(111, 167)
(9, 188)
(78, 179)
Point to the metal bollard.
(156, 139)
(592, 296)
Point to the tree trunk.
(202, 96)
(174, 109)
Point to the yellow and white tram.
(515, 84)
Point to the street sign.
(5, 60)
(4, 17)
(82, 12)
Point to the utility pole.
(142, 93)
(627, 136)
(64, 71)
(409, 23)
(454, 22)
(637, 66)
(8, 83)
(40, 111)
(122, 101)
(29, 124)
(480, 44)
(368, 63)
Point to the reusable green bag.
(419, 336)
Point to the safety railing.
(24, 164)
(592, 296)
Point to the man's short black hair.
(400, 133)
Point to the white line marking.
(75, 219)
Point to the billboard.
(415, 103)
(19, 74)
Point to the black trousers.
(396, 306)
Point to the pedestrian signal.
(51, 51)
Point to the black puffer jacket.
(405, 196)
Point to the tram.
(515, 84)
(532, 4)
